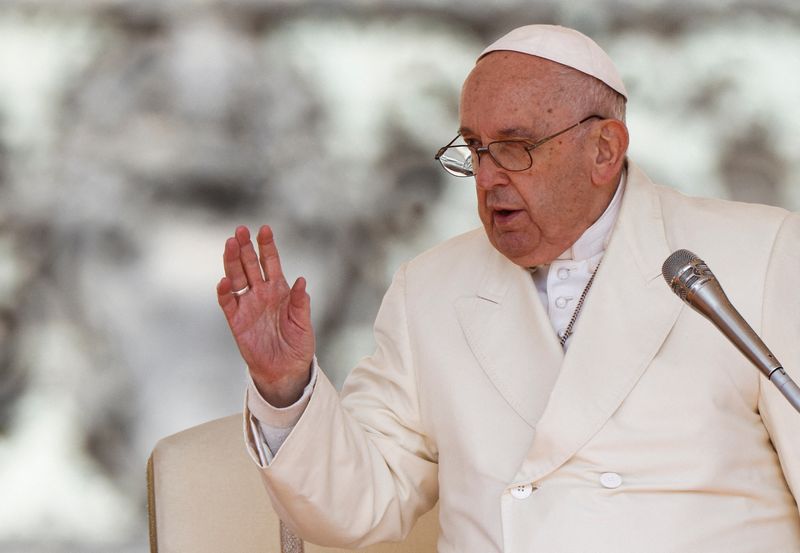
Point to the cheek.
(483, 211)
(537, 197)
(540, 203)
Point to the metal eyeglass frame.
(529, 148)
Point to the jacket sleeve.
(361, 469)
(781, 333)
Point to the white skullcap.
(565, 46)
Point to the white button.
(563, 273)
(610, 480)
(561, 302)
(523, 491)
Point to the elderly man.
(537, 377)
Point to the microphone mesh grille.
(674, 263)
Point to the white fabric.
(565, 46)
(469, 395)
(271, 425)
(559, 295)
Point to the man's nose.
(489, 173)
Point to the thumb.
(300, 304)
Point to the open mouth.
(505, 215)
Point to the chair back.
(205, 495)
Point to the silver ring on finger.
(241, 292)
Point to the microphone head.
(675, 271)
(676, 261)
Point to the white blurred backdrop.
(136, 134)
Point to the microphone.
(692, 280)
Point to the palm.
(270, 321)
(264, 331)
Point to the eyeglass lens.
(510, 155)
(457, 160)
(462, 160)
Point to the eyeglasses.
(462, 160)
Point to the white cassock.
(651, 433)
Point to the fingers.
(249, 259)
(231, 260)
(227, 301)
(268, 254)
(243, 267)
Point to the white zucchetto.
(565, 46)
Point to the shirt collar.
(594, 240)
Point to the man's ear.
(611, 145)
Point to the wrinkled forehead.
(519, 75)
(515, 88)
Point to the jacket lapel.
(627, 315)
(511, 337)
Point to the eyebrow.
(464, 130)
(510, 132)
(516, 132)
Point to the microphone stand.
(692, 280)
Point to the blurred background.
(135, 135)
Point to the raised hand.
(270, 322)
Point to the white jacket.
(652, 434)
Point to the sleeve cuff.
(269, 426)
(279, 417)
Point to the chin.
(522, 260)
(517, 251)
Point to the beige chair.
(205, 496)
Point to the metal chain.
(290, 543)
(568, 331)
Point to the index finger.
(268, 254)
